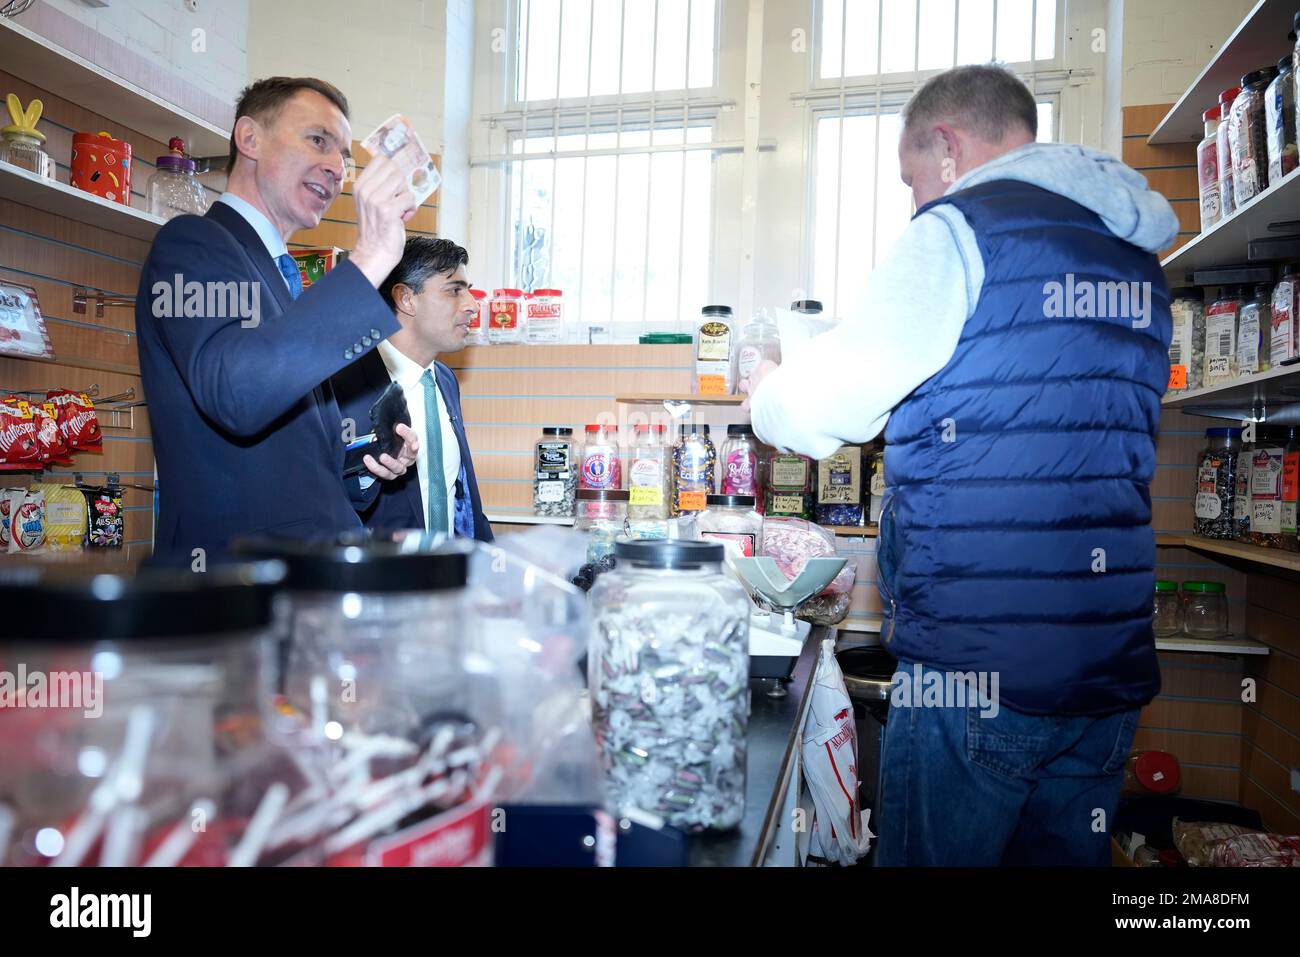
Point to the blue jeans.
(963, 786)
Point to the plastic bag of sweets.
(19, 451)
(6, 513)
(77, 420)
(65, 517)
(49, 439)
(27, 520)
(790, 542)
(104, 522)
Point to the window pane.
(1046, 123)
(975, 31)
(621, 256)
(938, 32)
(558, 37)
(899, 53)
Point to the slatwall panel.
(338, 227)
(1271, 725)
(1170, 169)
(54, 255)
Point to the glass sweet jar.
(668, 672)
(136, 728)
(20, 141)
(174, 190)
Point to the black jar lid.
(554, 430)
(808, 306)
(1260, 77)
(716, 311)
(1286, 64)
(603, 495)
(69, 604)
(409, 565)
(740, 429)
(731, 501)
(661, 553)
(1187, 292)
(687, 428)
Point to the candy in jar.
(648, 478)
(669, 678)
(601, 467)
(694, 463)
(740, 462)
(1216, 484)
(555, 482)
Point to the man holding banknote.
(245, 424)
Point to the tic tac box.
(313, 264)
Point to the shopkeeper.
(1016, 537)
(245, 427)
(429, 294)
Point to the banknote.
(397, 139)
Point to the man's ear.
(947, 140)
(404, 299)
(248, 137)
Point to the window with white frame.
(871, 55)
(609, 156)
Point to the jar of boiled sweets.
(601, 466)
(1223, 152)
(1285, 343)
(602, 517)
(1247, 141)
(839, 487)
(731, 519)
(739, 465)
(1216, 484)
(503, 312)
(648, 475)
(1187, 346)
(544, 320)
(1221, 329)
(478, 326)
(668, 672)
(1266, 490)
(1168, 616)
(694, 466)
(1254, 333)
(555, 475)
(1241, 492)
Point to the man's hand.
(750, 385)
(388, 467)
(384, 203)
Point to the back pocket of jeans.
(1006, 744)
(1127, 728)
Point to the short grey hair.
(988, 100)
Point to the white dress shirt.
(407, 374)
(265, 229)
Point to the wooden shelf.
(646, 399)
(65, 74)
(1272, 557)
(854, 531)
(1252, 397)
(1225, 243)
(1231, 645)
(1259, 41)
(49, 196)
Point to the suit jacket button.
(375, 334)
(348, 354)
(365, 341)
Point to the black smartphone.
(388, 412)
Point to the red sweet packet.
(19, 450)
(77, 420)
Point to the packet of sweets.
(397, 139)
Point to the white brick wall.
(161, 31)
(1168, 42)
(386, 56)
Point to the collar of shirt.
(401, 367)
(270, 236)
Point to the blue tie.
(289, 270)
(437, 518)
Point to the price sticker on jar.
(713, 385)
(692, 501)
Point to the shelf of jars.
(1272, 557)
(1253, 44)
(73, 78)
(528, 518)
(1270, 396)
(1270, 215)
(50, 196)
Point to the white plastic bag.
(830, 766)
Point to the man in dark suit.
(430, 297)
(234, 364)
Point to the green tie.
(437, 518)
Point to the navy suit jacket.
(396, 505)
(245, 427)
